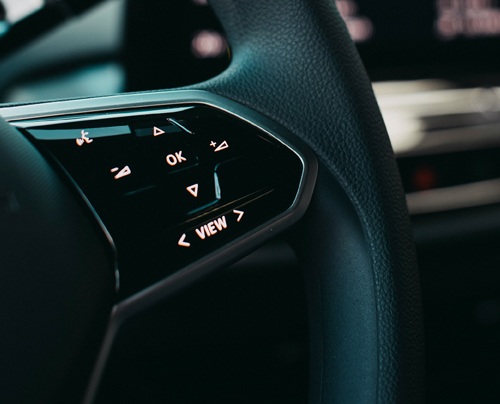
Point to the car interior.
(245, 332)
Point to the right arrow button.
(240, 214)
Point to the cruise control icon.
(220, 147)
(84, 139)
(121, 173)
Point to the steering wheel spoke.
(185, 182)
(182, 180)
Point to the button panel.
(174, 187)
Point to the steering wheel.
(295, 67)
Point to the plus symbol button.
(213, 144)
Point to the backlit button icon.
(176, 158)
(240, 214)
(157, 131)
(222, 146)
(211, 228)
(122, 173)
(193, 190)
(84, 139)
(183, 243)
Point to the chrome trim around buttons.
(92, 117)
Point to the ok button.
(179, 159)
(176, 158)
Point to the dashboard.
(436, 77)
(421, 39)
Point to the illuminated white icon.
(213, 144)
(212, 227)
(183, 243)
(158, 131)
(84, 139)
(173, 159)
(240, 213)
(122, 173)
(222, 146)
(193, 190)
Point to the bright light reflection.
(360, 28)
(346, 8)
(469, 18)
(208, 44)
(17, 10)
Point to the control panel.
(172, 185)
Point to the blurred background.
(435, 70)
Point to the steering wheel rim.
(293, 62)
(290, 50)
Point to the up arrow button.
(157, 131)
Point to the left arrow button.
(183, 243)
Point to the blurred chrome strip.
(454, 140)
(433, 116)
(456, 197)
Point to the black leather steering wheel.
(293, 62)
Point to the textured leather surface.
(293, 62)
(56, 284)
